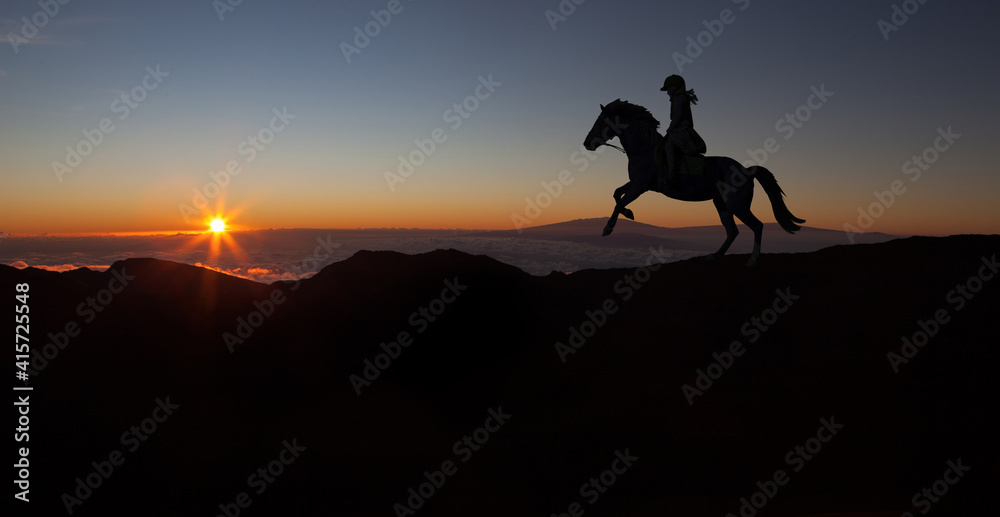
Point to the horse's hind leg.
(729, 224)
(758, 228)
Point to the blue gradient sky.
(353, 120)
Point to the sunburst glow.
(218, 225)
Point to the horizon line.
(170, 233)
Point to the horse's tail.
(781, 212)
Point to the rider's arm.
(676, 111)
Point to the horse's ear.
(602, 107)
(618, 100)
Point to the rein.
(620, 149)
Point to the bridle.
(619, 148)
(607, 144)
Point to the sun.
(219, 236)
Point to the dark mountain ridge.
(252, 365)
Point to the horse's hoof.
(752, 262)
(712, 256)
(607, 231)
(628, 213)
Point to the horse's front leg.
(632, 192)
(619, 192)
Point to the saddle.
(693, 163)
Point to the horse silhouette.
(725, 181)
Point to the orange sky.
(906, 217)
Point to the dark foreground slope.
(223, 377)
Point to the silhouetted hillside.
(798, 351)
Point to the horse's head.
(606, 127)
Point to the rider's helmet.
(673, 81)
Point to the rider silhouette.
(681, 138)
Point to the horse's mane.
(634, 112)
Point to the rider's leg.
(673, 162)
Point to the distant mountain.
(631, 234)
(269, 255)
(493, 392)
